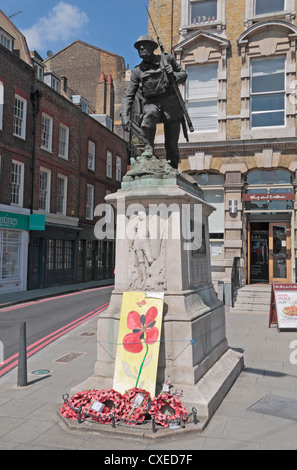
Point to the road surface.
(46, 320)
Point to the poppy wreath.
(159, 406)
(70, 408)
(138, 414)
(113, 402)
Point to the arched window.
(268, 177)
(268, 190)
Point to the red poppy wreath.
(136, 401)
(90, 402)
(167, 409)
(70, 407)
(105, 405)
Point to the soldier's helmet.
(145, 38)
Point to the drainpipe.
(35, 100)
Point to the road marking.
(47, 299)
(33, 348)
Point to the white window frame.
(203, 19)
(251, 17)
(17, 184)
(62, 195)
(269, 12)
(6, 40)
(118, 168)
(109, 164)
(1, 104)
(91, 155)
(39, 71)
(11, 263)
(187, 26)
(90, 196)
(56, 84)
(200, 99)
(47, 190)
(19, 117)
(46, 132)
(63, 142)
(277, 92)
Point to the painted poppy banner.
(138, 342)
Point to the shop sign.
(37, 222)
(14, 221)
(268, 197)
(283, 306)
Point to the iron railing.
(235, 279)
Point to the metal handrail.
(235, 279)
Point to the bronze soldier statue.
(160, 102)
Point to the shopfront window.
(269, 190)
(10, 246)
(269, 177)
(212, 186)
(60, 254)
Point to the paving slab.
(29, 419)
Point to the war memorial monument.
(162, 250)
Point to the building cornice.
(234, 146)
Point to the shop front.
(14, 240)
(269, 212)
(96, 258)
(53, 256)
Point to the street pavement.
(29, 416)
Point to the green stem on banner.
(140, 370)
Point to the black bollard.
(153, 426)
(22, 362)
(195, 420)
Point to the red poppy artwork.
(143, 329)
(138, 342)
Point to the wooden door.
(279, 252)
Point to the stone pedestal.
(194, 352)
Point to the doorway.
(269, 252)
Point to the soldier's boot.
(148, 137)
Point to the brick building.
(56, 164)
(241, 62)
(103, 164)
(15, 168)
(96, 75)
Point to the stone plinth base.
(194, 353)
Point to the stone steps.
(253, 299)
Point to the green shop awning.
(15, 221)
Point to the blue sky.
(113, 25)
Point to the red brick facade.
(48, 260)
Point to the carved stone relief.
(147, 252)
